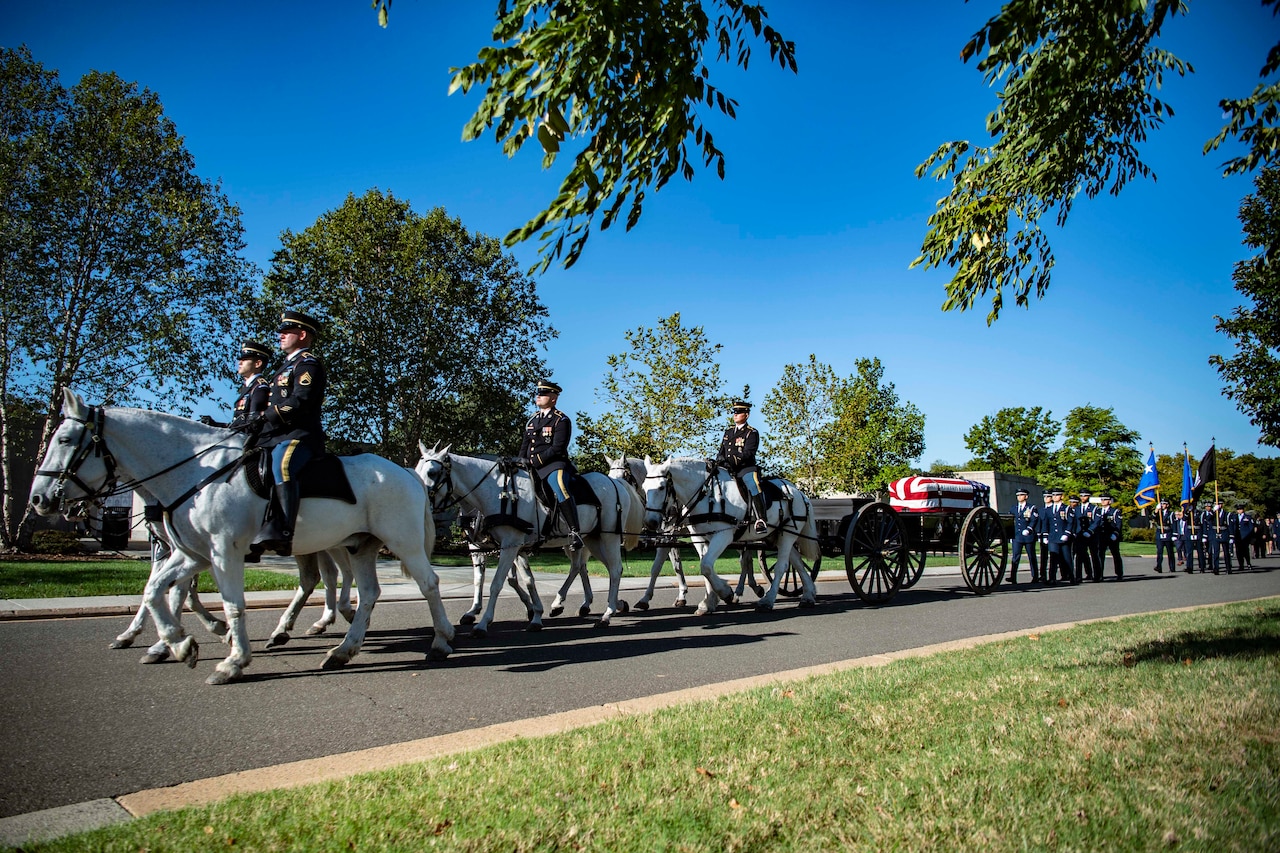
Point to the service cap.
(254, 350)
(546, 386)
(298, 320)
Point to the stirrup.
(762, 527)
(575, 541)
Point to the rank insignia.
(304, 379)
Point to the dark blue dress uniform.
(1026, 527)
(1242, 528)
(1044, 537)
(1166, 534)
(1217, 529)
(1084, 547)
(291, 427)
(737, 454)
(252, 400)
(1061, 526)
(1107, 526)
(545, 449)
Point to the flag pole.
(1192, 509)
(1159, 520)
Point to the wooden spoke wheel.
(913, 568)
(875, 553)
(791, 584)
(984, 549)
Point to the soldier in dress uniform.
(1085, 547)
(738, 454)
(291, 427)
(545, 449)
(1203, 521)
(1242, 530)
(1026, 526)
(1060, 525)
(1044, 537)
(254, 388)
(1165, 534)
(1218, 531)
(1107, 525)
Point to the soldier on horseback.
(291, 428)
(738, 454)
(545, 449)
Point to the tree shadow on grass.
(1249, 635)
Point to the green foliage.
(430, 332)
(1139, 534)
(798, 409)
(621, 83)
(664, 396)
(1098, 453)
(1252, 375)
(1078, 97)
(1013, 440)
(62, 542)
(121, 267)
(872, 437)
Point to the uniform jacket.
(293, 410)
(252, 400)
(1106, 524)
(1061, 525)
(738, 448)
(1165, 524)
(1241, 526)
(1085, 515)
(1216, 523)
(1026, 522)
(545, 446)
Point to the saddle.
(508, 516)
(769, 490)
(322, 477)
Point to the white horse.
(710, 507)
(633, 471)
(213, 513)
(480, 485)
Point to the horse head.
(435, 472)
(628, 470)
(658, 491)
(76, 455)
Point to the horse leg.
(420, 568)
(126, 637)
(506, 556)
(557, 604)
(174, 570)
(608, 549)
(529, 592)
(659, 557)
(709, 551)
(228, 572)
(477, 587)
(328, 568)
(683, 596)
(588, 594)
(308, 577)
(364, 566)
(216, 626)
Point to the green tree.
(1097, 452)
(1252, 375)
(873, 437)
(127, 281)
(430, 331)
(664, 397)
(1015, 440)
(797, 410)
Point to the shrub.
(1140, 534)
(61, 542)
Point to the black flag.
(1206, 473)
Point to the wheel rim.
(984, 549)
(875, 553)
(913, 568)
(790, 586)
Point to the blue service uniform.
(1166, 538)
(738, 448)
(1217, 531)
(1083, 546)
(1242, 528)
(252, 400)
(1026, 527)
(293, 428)
(1061, 526)
(545, 448)
(1043, 535)
(1107, 524)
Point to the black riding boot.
(569, 509)
(277, 529)
(762, 515)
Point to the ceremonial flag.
(1150, 481)
(1186, 477)
(1206, 473)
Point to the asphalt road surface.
(83, 722)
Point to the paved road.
(83, 722)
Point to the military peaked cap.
(739, 406)
(255, 350)
(298, 320)
(546, 386)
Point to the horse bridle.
(95, 446)
(446, 483)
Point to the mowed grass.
(1150, 733)
(70, 579)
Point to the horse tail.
(633, 523)
(807, 541)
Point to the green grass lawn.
(68, 579)
(1158, 732)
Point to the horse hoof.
(118, 643)
(439, 654)
(764, 606)
(332, 661)
(470, 619)
(806, 603)
(556, 610)
(220, 677)
(349, 615)
(219, 628)
(602, 623)
(701, 611)
(623, 607)
(479, 633)
(187, 651)
(316, 630)
(154, 657)
(529, 614)
(584, 610)
(642, 605)
(533, 627)
(276, 641)
(680, 602)
(758, 590)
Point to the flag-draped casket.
(937, 494)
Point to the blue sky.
(804, 248)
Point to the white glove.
(1065, 538)
(1113, 537)
(1027, 532)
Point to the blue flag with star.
(1186, 477)
(1150, 481)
